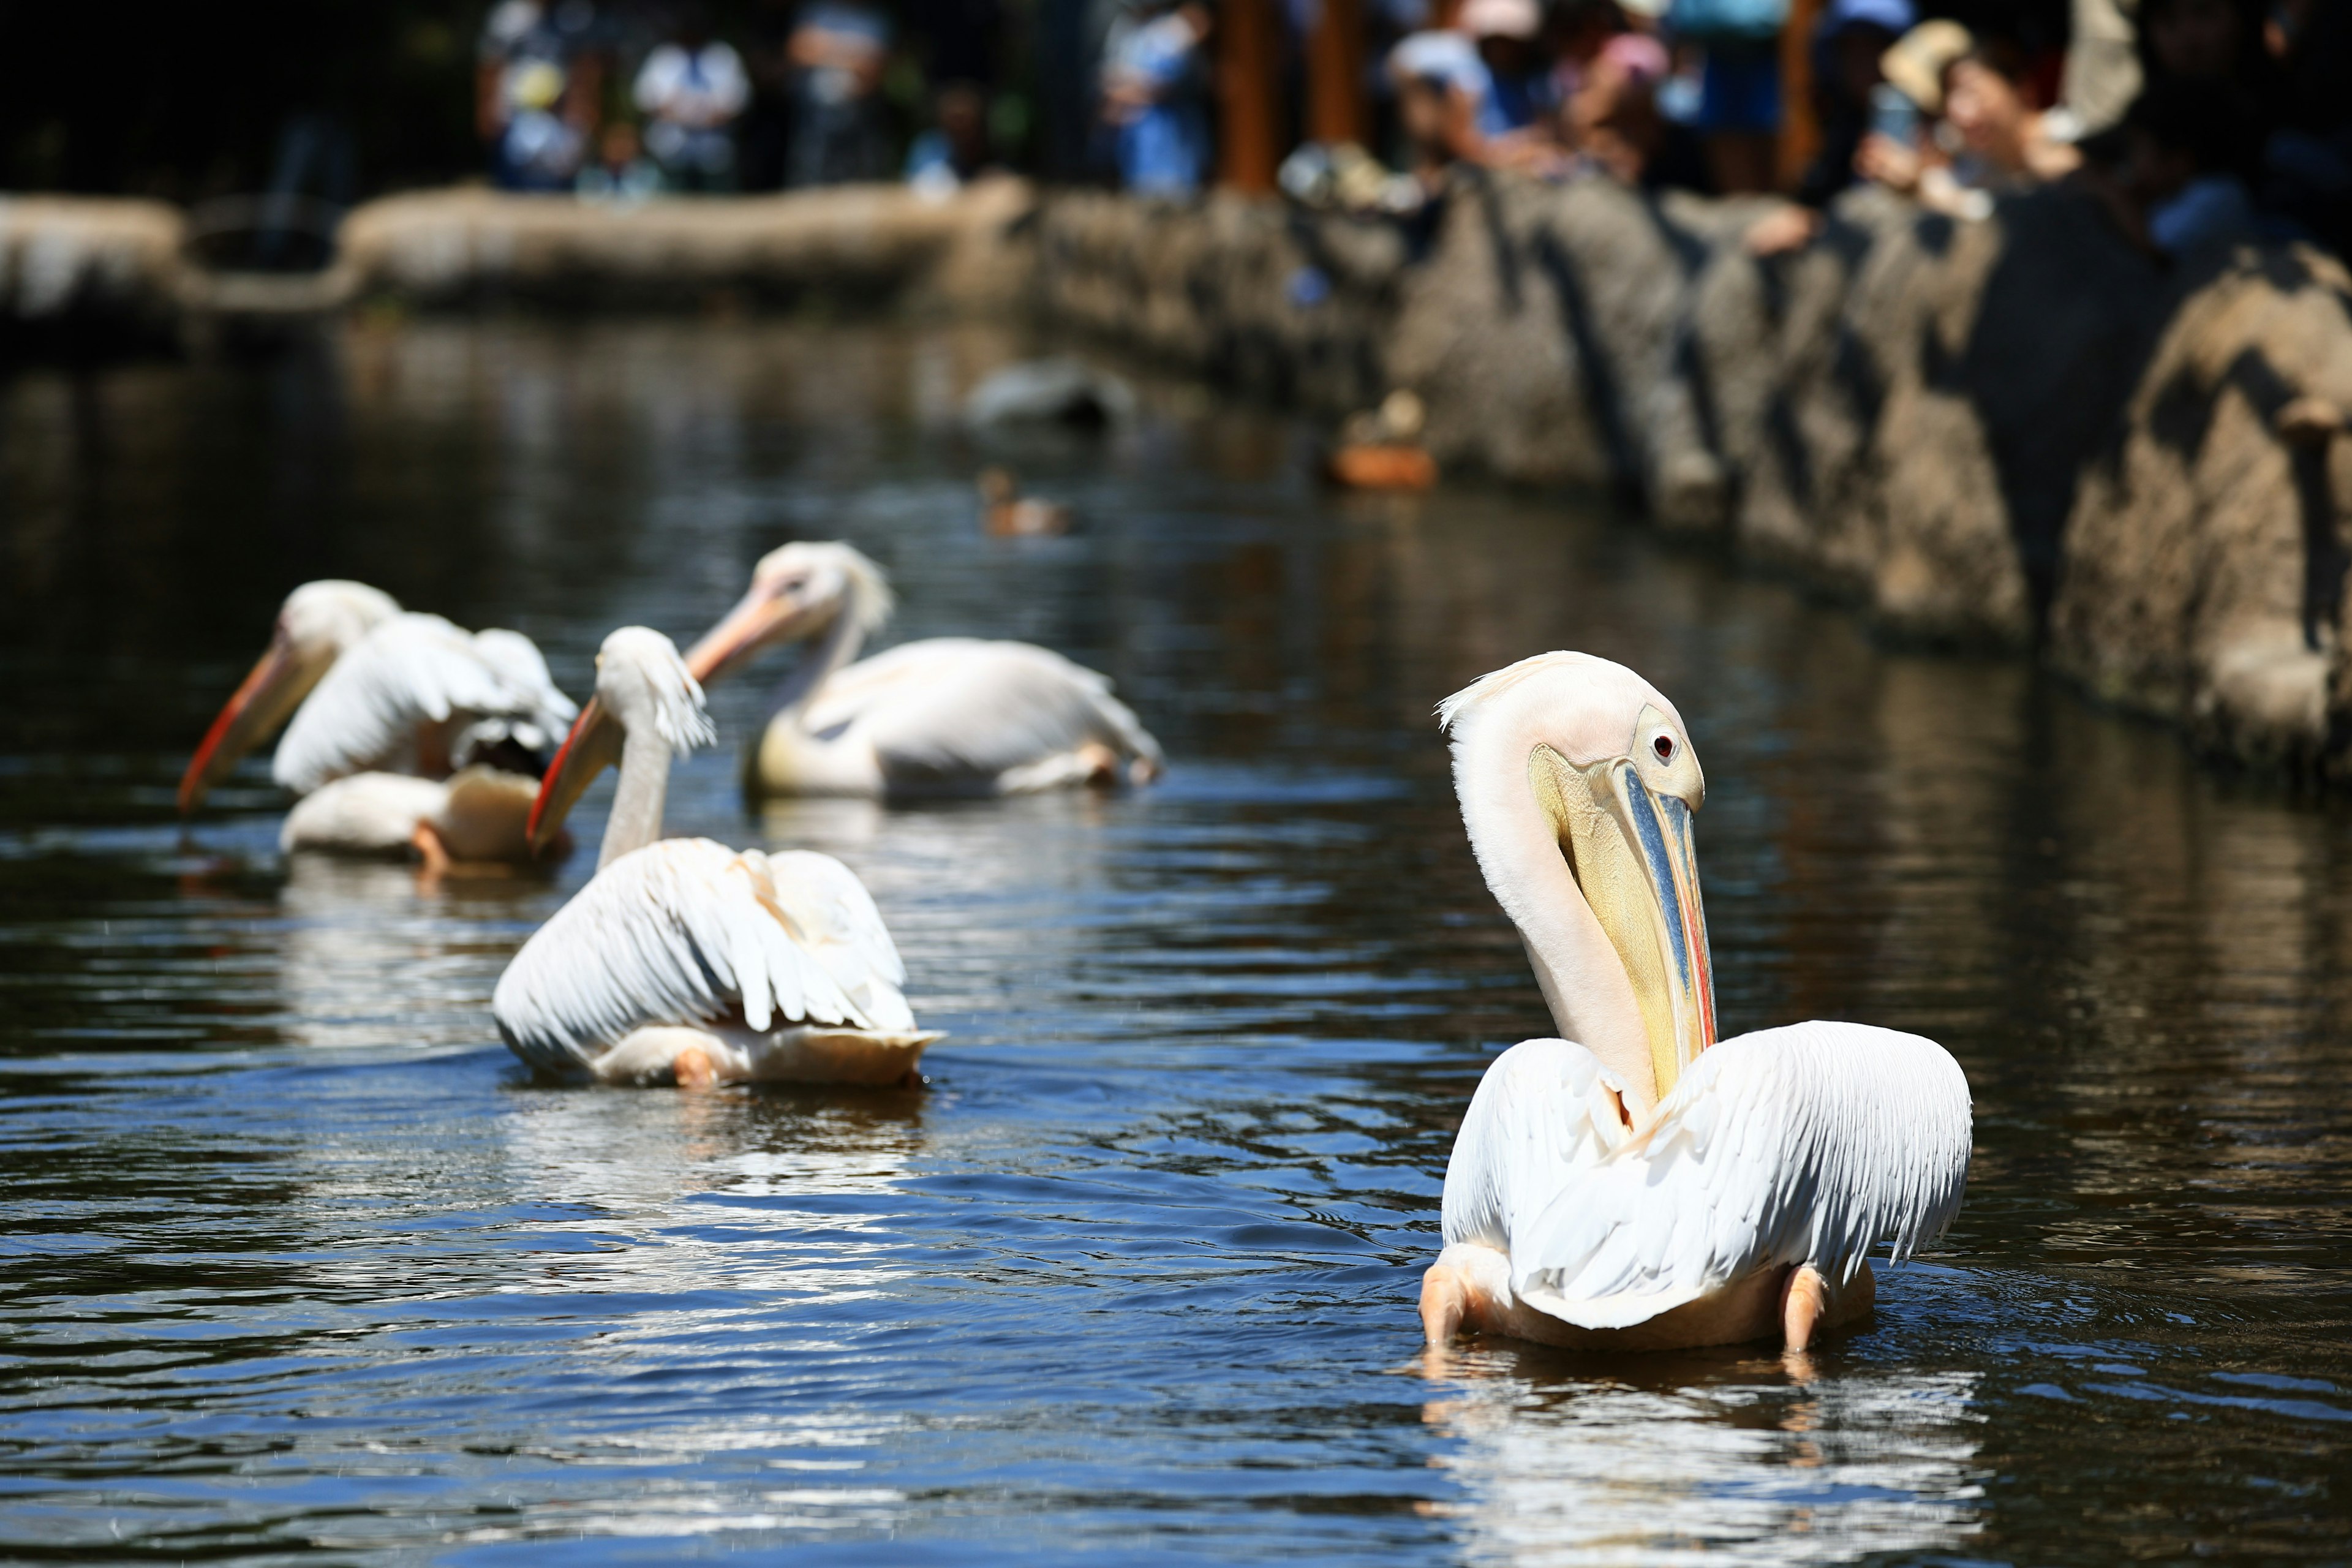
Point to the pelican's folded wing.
(952, 707)
(1546, 1112)
(835, 920)
(532, 697)
(410, 670)
(680, 931)
(1807, 1144)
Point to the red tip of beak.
(271, 668)
(554, 772)
(584, 753)
(191, 782)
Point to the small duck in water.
(1006, 514)
(1381, 449)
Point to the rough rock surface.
(1250, 293)
(2021, 431)
(2204, 564)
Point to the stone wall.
(72, 267)
(2019, 432)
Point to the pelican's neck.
(1585, 982)
(637, 802)
(836, 647)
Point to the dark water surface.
(297, 1264)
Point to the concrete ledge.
(447, 247)
(73, 265)
(82, 270)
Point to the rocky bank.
(2019, 432)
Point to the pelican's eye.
(1665, 746)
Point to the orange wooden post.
(1248, 153)
(1336, 110)
(1800, 133)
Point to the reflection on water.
(364, 953)
(1660, 1461)
(296, 1261)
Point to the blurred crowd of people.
(2194, 121)
(622, 100)
(2189, 119)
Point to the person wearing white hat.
(1519, 92)
(1442, 89)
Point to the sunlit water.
(296, 1261)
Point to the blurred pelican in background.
(944, 716)
(684, 962)
(408, 733)
(1648, 1187)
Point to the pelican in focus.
(407, 733)
(683, 961)
(944, 716)
(1648, 1186)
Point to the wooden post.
(1800, 133)
(1336, 111)
(1247, 153)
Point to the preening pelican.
(945, 715)
(1650, 1187)
(387, 706)
(684, 960)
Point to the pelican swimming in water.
(408, 733)
(1648, 1186)
(683, 961)
(945, 715)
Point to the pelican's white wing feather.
(1807, 1144)
(688, 932)
(411, 670)
(534, 698)
(949, 708)
(1545, 1112)
(837, 922)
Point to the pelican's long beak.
(594, 745)
(760, 619)
(271, 690)
(1630, 848)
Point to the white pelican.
(1650, 1187)
(386, 703)
(684, 960)
(945, 715)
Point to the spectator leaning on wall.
(537, 81)
(1982, 133)
(1153, 88)
(690, 90)
(838, 49)
(1739, 113)
(1615, 124)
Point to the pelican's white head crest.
(315, 626)
(1578, 781)
(332, 615)
(797, 591)
(643, 688)
(641, 679)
